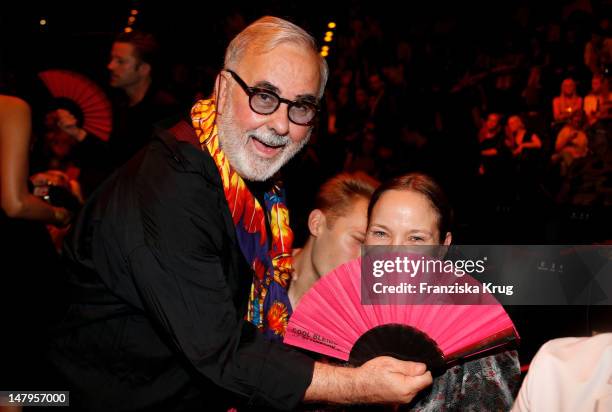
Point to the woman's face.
(568, 87)
(596, 84)
(58, 141)
(404, 217)
(492, 122)
(514, 124)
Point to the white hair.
(267, 33)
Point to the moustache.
(270, 139)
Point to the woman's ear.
(316, 220)
(448, 239)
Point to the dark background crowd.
(463, 91)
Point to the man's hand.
(381, 380)
(388, 380)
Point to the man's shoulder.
(175, 154)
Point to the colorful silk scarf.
(268, 307)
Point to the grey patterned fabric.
(486, 384)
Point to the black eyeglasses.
(264, 101)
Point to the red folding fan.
(330, 319)
(91, 99)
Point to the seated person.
(490, 133)
(598, 103)
(569, 374)
(567, 102)
(493, 149)
(572, 143)
(337, 228)
(412, 210)
(522, 139)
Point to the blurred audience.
(598, 103)
(571, 144)
(567, 102)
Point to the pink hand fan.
(331, 320)
(91, 99)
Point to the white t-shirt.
(569, 374)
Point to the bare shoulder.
(11, 106)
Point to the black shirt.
(132, 129)
(133, 125)
(159, 289)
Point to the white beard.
(234, 143)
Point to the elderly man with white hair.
(178, 266)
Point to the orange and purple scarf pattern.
(271, 260)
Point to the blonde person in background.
(598, 103)
(522, 139)
(567, 102)
(337, 229)
(571, 144)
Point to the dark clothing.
(529, 160)
(133, 125)
(132, 130)
(159, 292)
(498, 166)
(28, 297)
(92, 157)
(484, 384)
(494, 142)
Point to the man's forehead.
(122, 48)
(358, 207)
(284, 67)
